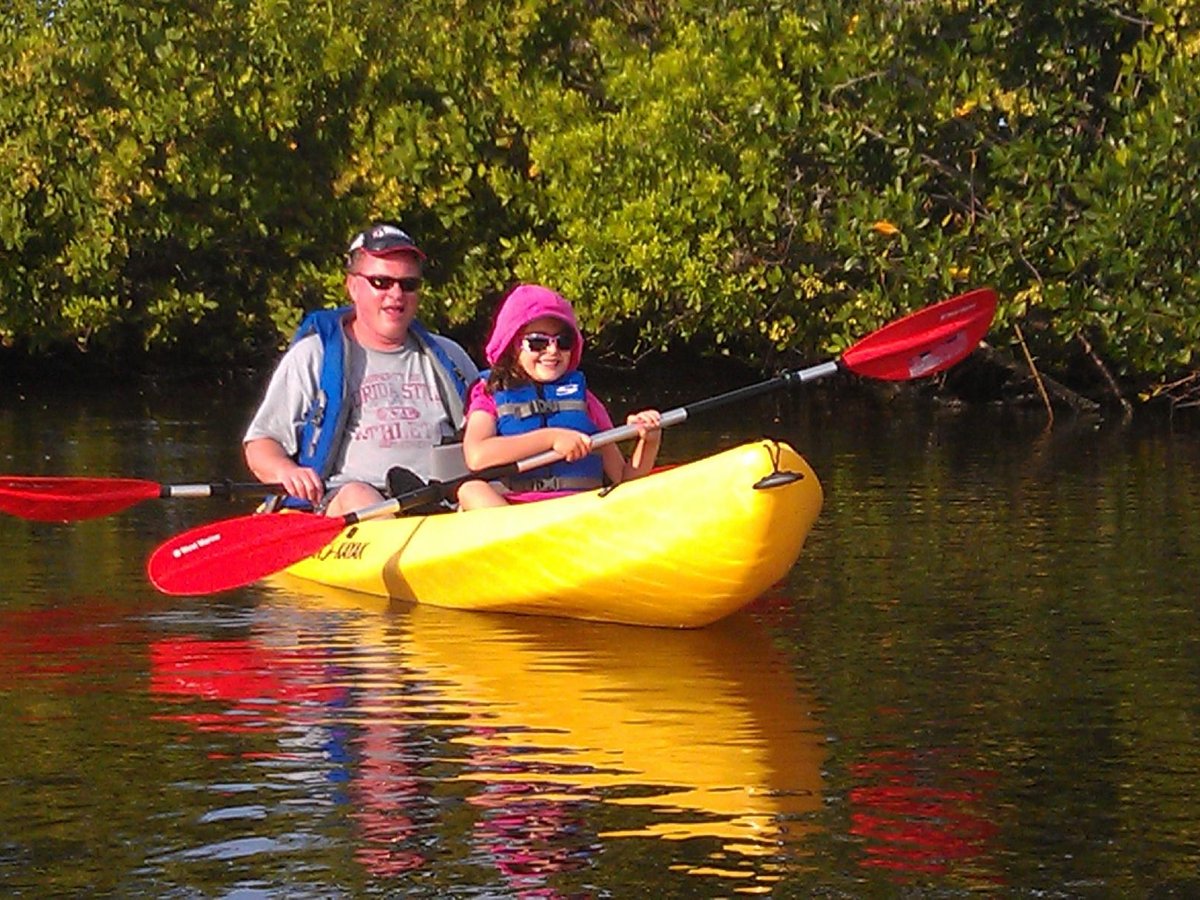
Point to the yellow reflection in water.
(703, 730)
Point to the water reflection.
(555, 738)
(64, 646)
(925, 812)
(261, 687)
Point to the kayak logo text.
(344, 550)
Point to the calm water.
(983, 675)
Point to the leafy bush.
(748, 178)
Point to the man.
(362, 389)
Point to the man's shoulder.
(305, 348)
(302, 360)
(449, 344)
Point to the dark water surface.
(983, 676)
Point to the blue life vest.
(555, 404)
(325, 421)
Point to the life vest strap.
(539, 407)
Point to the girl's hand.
(570, 444)
(648, 423)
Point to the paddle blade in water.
(53, 499)
(236, 552)
(926, 341)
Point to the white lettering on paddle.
(195, 545)
(933, 358)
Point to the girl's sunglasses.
(535, 342)
(385, 282)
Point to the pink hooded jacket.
(524, 304)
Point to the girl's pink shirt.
(479, 399)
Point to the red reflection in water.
(527, 828)
(386, 790)
(923, 814)
(85, 638)
(269, 687)
(266, 689)
(239, 671)
(526, 834)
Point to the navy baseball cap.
(384, 239)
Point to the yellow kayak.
(680, 548)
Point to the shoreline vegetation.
(743, 181)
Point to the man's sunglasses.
(534, 342)
(385, 282)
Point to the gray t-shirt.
(395, 414)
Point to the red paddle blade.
(51, 499)
(236, 552)
(926, 341)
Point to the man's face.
(385, 291)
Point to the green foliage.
(161, 158)
(756, 179)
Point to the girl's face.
(544, 349)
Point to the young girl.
(535, 399)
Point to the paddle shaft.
(919, 344)
(681, 414)
(438, 490)
(216, 489)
